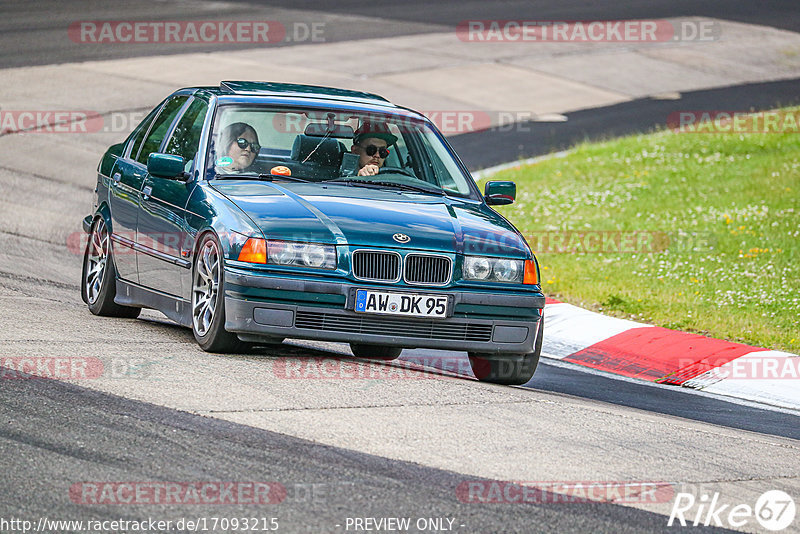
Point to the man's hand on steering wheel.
(369, 170)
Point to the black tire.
(99, 277)
(508, 369)
(208, 300)
(375, 352)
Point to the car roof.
(300, 95)
(295, 91)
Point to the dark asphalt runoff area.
(486, 148)
(659, 398)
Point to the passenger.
(240, 142)
(371, 142)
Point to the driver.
(371, 142)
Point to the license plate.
(408, 304)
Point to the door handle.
(117, 177)
(146, 192)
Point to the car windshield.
(350, 148)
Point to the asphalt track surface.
(54, 434)
(99, 437)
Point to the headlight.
(476, 268)
(507, 270)
(301, 254)
(282, 252)
(256, 250)
(316, 256)
(493, 269)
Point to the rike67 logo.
(774, 510)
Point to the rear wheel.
(208, 300)
(508, 369)
(375, 352)
(99, 278)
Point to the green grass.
(728, 204)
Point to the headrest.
(328, 151)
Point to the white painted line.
(569, 329)
(764, 376)
(550, 117)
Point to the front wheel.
(375, 352)
(99, 278)
(208, 299)
(508, 369)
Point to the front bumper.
(274, 307)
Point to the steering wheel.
(397, 170)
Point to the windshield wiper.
(398, 185)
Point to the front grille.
(390, 326)
(427, 270)
(376, 265)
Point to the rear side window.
(140, 132)
(186, 137)
(160, 127)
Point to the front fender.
(210, 211)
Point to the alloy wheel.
(97, 258)
(205, 289)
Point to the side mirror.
(166, 166)
(500, 193)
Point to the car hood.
(367, 217)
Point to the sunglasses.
(244, 143)
(383, 152)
